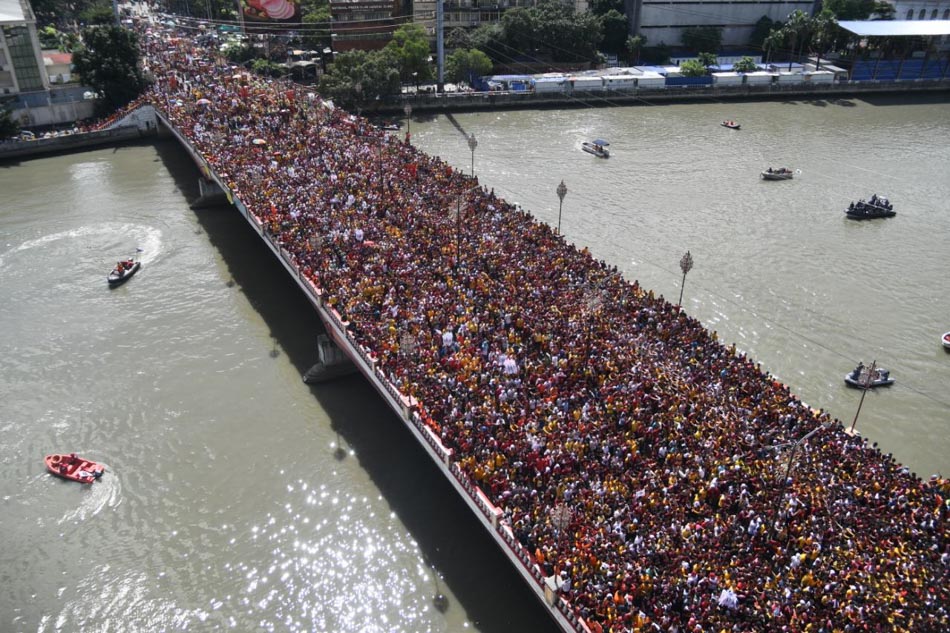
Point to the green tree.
(239, 52)
(884, 10)
(659, 54)
(851, 9)
(708, 59)
(519, 27)
(693, 68)
(774, 43)
(458, 38)
(799, 29)
(702, 38)
(615, 29)
(316, 28)
(464, 64)
(49, 37)
(356, 77)
(603, 7)
(410, 48)
(761, 31)
(108, 63)
(635, 44)
(565, 35)
(61, 13)
(8, 127)
(98, 13)
(825, 33)
(745, 65)
(267, 68)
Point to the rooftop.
(12, 11)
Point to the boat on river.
(123, 271)
(861, 378)
(74, 467)
(732, 125)
(945, 339)
(596, 147)
(780, 173)
(875, 207)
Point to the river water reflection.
(226, 503)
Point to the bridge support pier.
(209, 194)
(333, 363)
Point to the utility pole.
(864, 392)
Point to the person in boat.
(770, 170)
(857, 371)
(73, 458)
(120, 267)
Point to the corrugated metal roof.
(882, 28)
(11, 11)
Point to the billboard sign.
(265, 12)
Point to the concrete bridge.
(213, 189)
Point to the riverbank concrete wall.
(468, 101)
(18, 150)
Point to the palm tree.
(825, 32)
(799, 27)
(634, 44)
(773, 42)
(708, 59)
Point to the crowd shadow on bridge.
(453, 544)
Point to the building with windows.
(25, 74)
(363, 24)
(663, 21)
(21, 60)
(924, 10)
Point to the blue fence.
(689, 81)
(895, 70)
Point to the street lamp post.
(561, 192)
(561, 518)
(472, 144)
(458, 228)
(788, 470)
(864, 392)
(686, 265)
(593, 301)
(408, 110)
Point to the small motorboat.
(875, 207)
(597, 147)
(123, 270)
(732, 125)
(946, 340)
(782, 173)
(860, 378)
(74, 467)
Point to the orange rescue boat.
(74, 467)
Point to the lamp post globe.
(472, 144)
(561, 192)
(686, 265)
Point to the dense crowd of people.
(664, 480)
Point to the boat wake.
(99, 495)
(111, 240)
